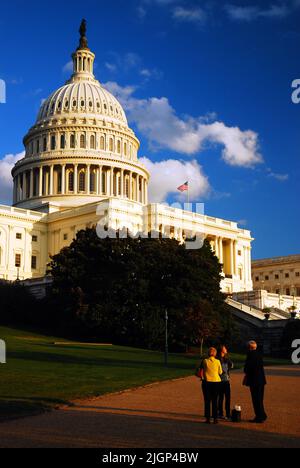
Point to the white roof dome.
(83, 97)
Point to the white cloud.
(250, 13)
(6, 182)
(278, 176)
(68, 67)
(168, 175)
(111, 67)
(191, 15)
(157, 120)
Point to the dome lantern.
(83, 58)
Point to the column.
(146, 192)
(221, 250)
(75, 179)
(249, 263)
(63, 179)
(41, 182)
(137, 188)
(217, 247)
(97, 181)
(130, 186)
(88, 179)
(111, 181)
(231, 245)
(235, 258)
(24, 186)
(122, 183)
(100, 180)
(51, 181)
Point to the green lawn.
(39, 374)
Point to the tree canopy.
(119, 289)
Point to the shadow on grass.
(14, 408)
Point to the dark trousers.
(210, 393)
(257, 393)
(224, 393)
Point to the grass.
(40, 375)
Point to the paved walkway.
(165, 415)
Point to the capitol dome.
(83, 97)
(80, 148)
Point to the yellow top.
(212, 369)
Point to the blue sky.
(206, 86)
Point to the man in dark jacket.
(255, 379)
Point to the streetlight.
(166, 339)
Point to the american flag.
(184, 187)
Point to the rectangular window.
(297, 274)
(257, 278)
(276, 276)
(34, 238)
(18, 259)
(33, 262)
(65, 237)
(267, 278)
(19, 236)
(287, 275)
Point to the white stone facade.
(81, 166)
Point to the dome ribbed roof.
(88, 98)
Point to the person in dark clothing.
(255, 379)
(224, 387)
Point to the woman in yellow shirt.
(210, 373)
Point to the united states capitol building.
(81, 156)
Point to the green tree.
(119, 289)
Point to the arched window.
(111, 144)
(102, 143)
(119, 147)
(125, 149)
(82, 181)
(72, 141)
(45, 144)
(62, 141)
(92, 142)
(71, 181)
(38, 146)
(82, 141)
(53, 142)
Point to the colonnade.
(80, 179)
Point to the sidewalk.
(165, 415)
